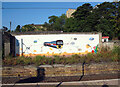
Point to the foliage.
(83, 11)
(18, 29)
(27, 28)
(116, 53)
(105, 55)
(104, 17)
(39, 60)
(23, 60)
(56, 23)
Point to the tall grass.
(104, 55)
(116, 53)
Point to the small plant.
(104, 55)
(38, 60)
(50, 61)
(28, 61)
(75, 56)
(116, 50)
(116, 53)
(57, 59)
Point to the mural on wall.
(95, 49)
(54, 44)
(35, 41)
(91, 38)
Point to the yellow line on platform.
(68, 72)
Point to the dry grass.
(104, 55)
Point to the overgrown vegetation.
(105, 55)
(104, 17)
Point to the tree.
(79, 22)
(56, 23)
(73, 25)
(82, 11)
(27, 28)
(18, 29)
(106, 13)
(52, 19)
(103, 18)
(116, 20)
(48, 26)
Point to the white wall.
(70, 45)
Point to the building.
(115, 0)
(69, 12)
(49, 44)
(6, 46)
(105, 38)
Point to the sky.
(56, 0)
(22, 13)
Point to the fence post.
(1, 43)
(100, 41)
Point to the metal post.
(22, 46)
(100, 41)
(10, 26)
(1, 43)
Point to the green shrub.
(116, 50)
(82, 58)
(90, 57)
(57, 59)
(19, 60)
(72, 60)
(38, 60)
(23, 60)
(104, 55)
(28, 61)
(63, 60)
(9, 60)
(50, 61)
(75, 56)
(116, 53)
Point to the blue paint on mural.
(91, 39)
(35, 41)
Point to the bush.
(38, 60)
(57, 59)
(50, 61)
(116, 53)
(116, 50)
(104, 55)
(8, 61)
(24, 60)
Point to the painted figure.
(55, 44)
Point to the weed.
(104, 55)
